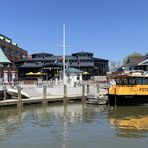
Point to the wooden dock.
(37, 100)
(59, 93)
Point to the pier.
(50, 94)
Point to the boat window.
(119, 81)
(132, 81)
(142, 81)
(146, 81)
(125, 81)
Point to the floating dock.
(37, 100)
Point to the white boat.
(14, 93)
(96, 99)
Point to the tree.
(114, 64)
(135, 54)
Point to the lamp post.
(8, 73)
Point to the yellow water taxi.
(130, 88)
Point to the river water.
(74, 126)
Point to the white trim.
(142, 63)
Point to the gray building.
(51, 65)
(137, 63)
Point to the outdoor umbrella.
(29, 73)
(85, 73)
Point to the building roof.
(145, 62)
(73, 70)
(3, 58)
(42, 54)
(98, 59)
(132, 61)
(31, 65)
(5, 37)
(82, 53)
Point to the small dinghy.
(14, 93)
(97, 99)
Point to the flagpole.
(64, 46)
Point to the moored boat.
(97, 99)
(130, 89)
(14, 93)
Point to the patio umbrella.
(29, 73)
(85, 73)
(38, 73)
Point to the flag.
(67, 64)
(62, 59)
(55, 61)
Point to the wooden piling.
(5, 93)
(98, 88)
(65, 94)
(88, 89)
(19, 103)
(51, 83)
(44, 94)
(83, 93)
(115, 99)
(65, 91)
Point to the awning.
(3, 58)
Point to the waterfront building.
(14, 53)
(45, 65)
(3, 62)
(50, 66)
(137, 63)
(73, 76)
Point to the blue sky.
(111, 29)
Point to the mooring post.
(51, 83)
(115, 99)
(88, 89)
(65, 93)
(19, 103)
(83, 93)
(5, 93)
(44, 94)
(83, 90)
(98, 88)
(108, 95)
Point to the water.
(74, 126)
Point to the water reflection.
(72, 125)
(130, 122)
(10, 120)
(57, 116)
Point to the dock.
(47, 95)
(14, 102)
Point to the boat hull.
(14, 93)
(1, 94)
(96, 102)
(127, 99)
(96, 99)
